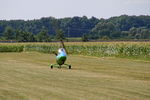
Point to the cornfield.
(100, 49)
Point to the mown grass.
(27, 76)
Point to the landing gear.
(69, 66)
(60, 66)
(51, 66)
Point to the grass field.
(26, 76)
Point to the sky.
(35, 9)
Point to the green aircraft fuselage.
(61, 57)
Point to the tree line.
(49, 28)
(123, 27)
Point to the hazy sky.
(35, 9)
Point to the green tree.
(104, 29)
(85, 38)
(29, 37)
(19, 35)
(145, 33)
(23, 36)
(60, 34)
(9, 33)
(124, 35)
(105, 38)
(43, 36)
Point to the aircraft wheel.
(51, 66)
(69, 66)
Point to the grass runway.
(27, 76)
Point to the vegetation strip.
(104, 49)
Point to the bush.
(11, 48)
